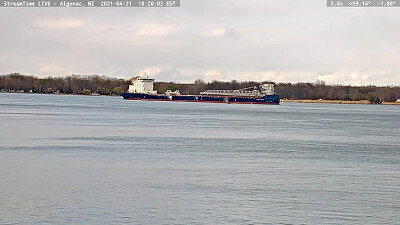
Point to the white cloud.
(358, 78)
(164, 50)
(64, 23)
(269, 75)
(345, 77)
(215, 33)
(155, 30)
(274, 76)
(56, 70)
(354, 77)
(212, 75)
(149, 71)
(329, 78)
(106, 29)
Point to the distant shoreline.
(364, 102)
(103, 85)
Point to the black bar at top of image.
(362, 3)
(90, 3)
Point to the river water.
(103, 160)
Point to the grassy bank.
(336, 101)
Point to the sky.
(277, 40)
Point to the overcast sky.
(279, 40)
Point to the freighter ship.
(142, 89)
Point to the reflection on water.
(86, 159)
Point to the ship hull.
(266, 99)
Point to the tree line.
(314, 91)
(319, 90)
(73, 84)
(103, 85)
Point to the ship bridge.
(142, 85)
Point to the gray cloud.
(288, 41)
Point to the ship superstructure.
(143, 85)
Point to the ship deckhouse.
(142, 85)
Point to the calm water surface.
(102, 160)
